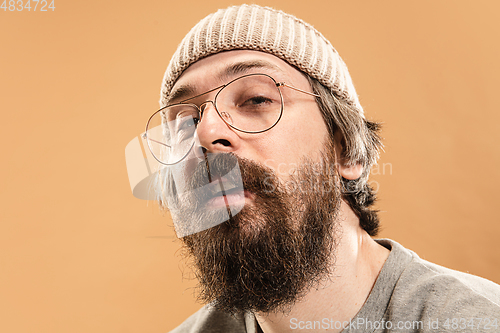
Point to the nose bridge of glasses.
(203, 107)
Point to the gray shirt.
(410, 295)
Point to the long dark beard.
(266, 257)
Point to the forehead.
(220, 68)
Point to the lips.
(227, 188)
(215, 183)
(224, 189)
(234, 198)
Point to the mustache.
(217, 174)
(255, 177)
(232, 173)
(214, 167)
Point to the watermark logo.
(432, 324)
(360, 324)
(322, 177)
(27, 5)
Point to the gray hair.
(360, 144)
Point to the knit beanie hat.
(251, 27)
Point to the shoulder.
(455, 282)
(435, 291)
(209, 320)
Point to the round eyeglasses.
(251, 103)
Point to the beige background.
(79, 254)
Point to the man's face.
(281, 243)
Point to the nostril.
(223, 142)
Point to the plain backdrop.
(78, 253)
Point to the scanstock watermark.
(436, 324)
(285, 170)
(360, 324)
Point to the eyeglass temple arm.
(283, 84)
(144, 136)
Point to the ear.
(349, 172)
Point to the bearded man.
(267, 154)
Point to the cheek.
(308, 133)
(284, 147)
(277, 152)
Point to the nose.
(214, 133)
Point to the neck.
(339, 298)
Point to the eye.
(186, 123)
(256, 103)
(257, 100)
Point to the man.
(267, 154)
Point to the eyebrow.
(184, 91)
(181, 92)
(245, 66)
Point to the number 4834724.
(20, 5)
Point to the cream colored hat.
(251, 27)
